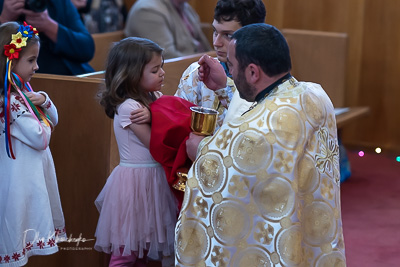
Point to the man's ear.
(252, 73)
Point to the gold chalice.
(203, 122)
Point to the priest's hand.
(212, 73)
(192, 144)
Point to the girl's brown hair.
(124, 68)
(6, 31)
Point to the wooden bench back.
(103, 42)
(174, 69)
(81, 145)
(320, 57)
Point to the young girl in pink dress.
(31, 217)
(137, 208)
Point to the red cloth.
(170, 128)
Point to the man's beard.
(246, 91)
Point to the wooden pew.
(321, 57)
(103, 42)
(80, 145)
(174, 67)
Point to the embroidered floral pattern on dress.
(48, 105)
(16, 256)
(51, 242)
(16, 107)
(41, 244)
(28, 246)
(59, 231)
(7, 259)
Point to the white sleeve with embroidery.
(26, 128)
(188, 85)
(192, 90)
(50, 108)
(225, 94)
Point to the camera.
(36, 5)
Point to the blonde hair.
(124, 68)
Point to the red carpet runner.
(371, 211)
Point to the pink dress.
(137, 208)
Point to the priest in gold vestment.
(264, 189)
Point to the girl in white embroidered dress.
(137, 208)
(31, 217)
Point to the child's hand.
(140, 116)
(36, 98)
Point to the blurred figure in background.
(83, 7)
(173, 24)
(104, 16)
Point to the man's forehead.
(227, 26)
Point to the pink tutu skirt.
(138, 212)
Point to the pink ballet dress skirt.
(137, 209)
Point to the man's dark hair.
(243, 11)
(263, 45)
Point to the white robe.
(264, 189)
(31, 217)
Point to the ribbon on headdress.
(12, 80)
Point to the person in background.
(229, 16)
(105, 16)
(137, 209)
(31, 216)
(83, 7)
(264, 190)
(66, 45)
(173, 24)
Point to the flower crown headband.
(18, 40)
(12, 51)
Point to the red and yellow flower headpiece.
(12, 80)
(18, 40)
